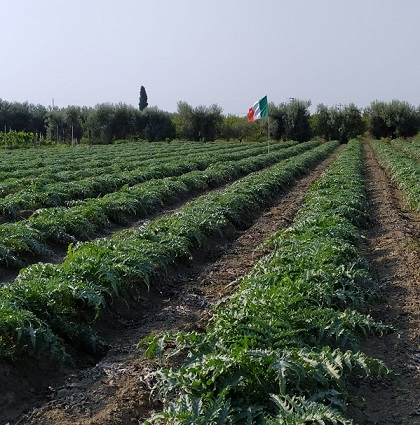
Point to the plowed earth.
(393, 249)
(114, 390)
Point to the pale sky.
(228, 52)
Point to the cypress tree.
(143, 98)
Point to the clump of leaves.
(281, 349)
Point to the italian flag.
(258, 110)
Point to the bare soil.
(393, 250)
(114, 390)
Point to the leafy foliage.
(69, 296)
(290, 121)
(83, 219)
(282, 347)
(200, 123)
(393, 119)
(405, 171)
(338, 123)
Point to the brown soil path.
(393, 249)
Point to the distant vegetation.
(28, 125)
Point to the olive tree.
(393, 119)
(338, 123)
(158, 125)
(199, 124)
(290, 121)
(234, 127)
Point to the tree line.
(105, 123)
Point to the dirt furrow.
(394, 252)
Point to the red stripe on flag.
(251, 115)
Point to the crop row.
(48, 306)
(83, 220)
(281, 349)
(34, 162)
(405, 171)
(57, 194)
(44, 194)
(410, 149)
(63, 161)
(108, 162)
(37, 160)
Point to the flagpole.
(268, 133)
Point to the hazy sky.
(228, 52)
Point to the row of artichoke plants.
(63, 167)
(282, 348)
(404, 170)
(49, 307)
(36, 162)
(409, 148)
(85, 218)
(48, 192)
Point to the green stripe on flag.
(263, 104)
